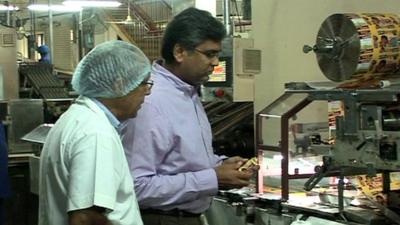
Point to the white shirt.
(83, 165)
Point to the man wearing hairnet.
(84, 175)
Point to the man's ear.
(179, 53)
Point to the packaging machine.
(341, 166)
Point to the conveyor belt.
(43, 81)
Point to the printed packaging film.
(368, 46)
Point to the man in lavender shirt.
(169, 144)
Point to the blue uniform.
(4, 180)
(44, 52)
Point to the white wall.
(282, 27)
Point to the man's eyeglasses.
(148, 83)
(210, 54)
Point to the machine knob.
(219, 93)
(307, 49)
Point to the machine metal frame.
(349, 125)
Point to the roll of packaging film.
(358, 47)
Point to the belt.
(172, 212)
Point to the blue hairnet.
(112, 69)
(43, 49)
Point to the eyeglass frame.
(149, 83)
(210, 54)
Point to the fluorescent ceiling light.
(90, 3)
(55, 8)
(8, 8)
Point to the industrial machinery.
(339, 165)
(362, 47)
(229, 96)
(8, 64)
(42, 80)
(233, 78)
(360, 135)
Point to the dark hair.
(190, 28)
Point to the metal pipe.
(227, 17)
(51, 39)
(80, 35)
(32, 37)
(341, 192)
(8, 18)
(389, 83)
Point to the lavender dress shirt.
(169, 147)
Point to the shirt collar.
(113, 120)
(177, 82)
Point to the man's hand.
(90, 216)
(229, 176)
(239, 161)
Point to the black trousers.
(157, 219)
(1, 212)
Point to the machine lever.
(320, 173)
(315, 179)
(367, 139)
(361, 145)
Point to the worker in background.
(44, 52)
(84, 175)
(4, 179)
(169, 144)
